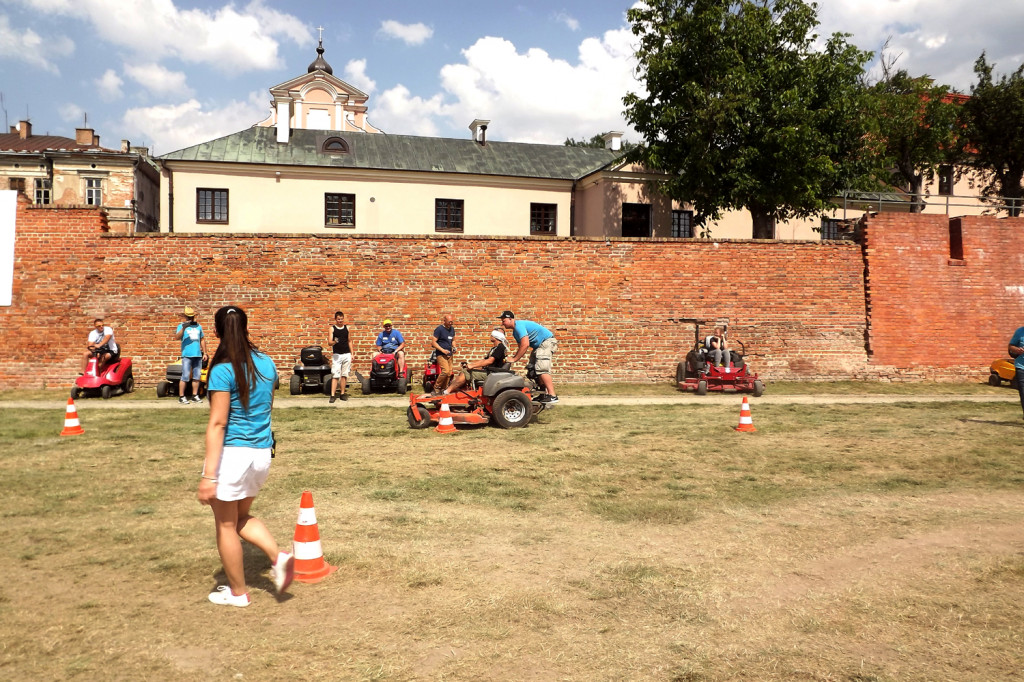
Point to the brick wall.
(798, 306)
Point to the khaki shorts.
(471, 375)
(541, 355)
(341, 365)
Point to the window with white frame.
(93, 192)
(42, 195)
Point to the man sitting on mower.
(102, 344)
(479, 369)
(716, 349)
(391, 341)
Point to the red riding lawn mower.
(384, 376)
(508, 399)
(697, 373)
(116, 378)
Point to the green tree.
(596, 142)
(913, 129)
(742, 110)
(994, 118)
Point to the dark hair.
(98, 319)
(338, 312)
(232, 325)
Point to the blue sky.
(171, 73)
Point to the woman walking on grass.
(238, 441)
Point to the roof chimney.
(84, 135)
(24, 130)
(126, 146)
(479, 130)
(612, 140)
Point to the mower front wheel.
(403, 386)
(758, 388)
(702, 387)
(106, 391)
(418, 422)
(295, 385)
(162, 389)
(994, 379)
(512, 410)
(76, 393)
(364, 385)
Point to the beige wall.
(386, 203)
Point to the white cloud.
(572, 23)
(410, 34)
(109, 85)
(355, 74)
(158, 80)
(173, 126)
(72, 113)
(397, 111)
(29, 46)
(228, 39)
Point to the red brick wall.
(799, 307)
(928, 309)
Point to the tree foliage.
(742, 110)
(596, 142)
(994, 118)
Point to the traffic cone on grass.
(310, 566)
(445, 423)
(72, 427)
(746, 423)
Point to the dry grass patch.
(850, 542)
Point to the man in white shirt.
(101, 339)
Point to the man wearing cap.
(443, 342)
(193, 352)
(391, 341)
(530, 335)
(479, 369)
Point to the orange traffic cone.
(310, 566)
(444, 423)
(746, 423)
(72, 427)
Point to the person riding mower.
(699, 374)
(114, 379)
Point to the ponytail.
(232, 325)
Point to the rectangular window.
(17, 184)
(543, 218)
(682, 224)
(946, 180)
(448, 215)
(829, 229)
(42, 191)
(211, 205)
(636, 220)
(93, 192)
(340, 210)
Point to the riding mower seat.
(504, 369)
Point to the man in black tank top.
(341, 356)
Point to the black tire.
(364, 386)
(129, 383)
(162, 388)
(702, 387)
(680, 372)
(76, 393)
(428, 384)
(512, 410)
(106, 391)
(421, 422)
(328, 381)
(994, 379)
(295, 385)
(403, 386)
(758, 388)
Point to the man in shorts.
(479, 369)
(193, 352)
(1016, 351)
(341, 356)
(542, 344)
(391, 341)
(101, 341)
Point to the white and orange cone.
(445, 423)
(72, 427)
(310, 566)
(746, 423)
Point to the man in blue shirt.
(391, 341)
(193, 352)
(542, 343)
(443, 341)
(1016, 350)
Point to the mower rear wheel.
(420, 422)
(680, 372)
(129, 383)
(295, 385)
(994, 379)
(758, 388)
(76, 393)
(328, 382)
(403, 386)
(106, 391)
(162, 388)
(702, 387)
(512, 410)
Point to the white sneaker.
(224, 597)
(183, 400)
(283, 571)
(196, 399)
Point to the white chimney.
(612, 140)
(479, 130)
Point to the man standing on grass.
(193, 352)
(341, 356)
(542, 344)
(443, 341)
(1016, 351)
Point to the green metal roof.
(259, 145)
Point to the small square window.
(682, 224)
(829, 229)
(42, 195)
(17, 184)
(211, 205)
(544, 219)
(93, 192)
(448, 215)
(340, 210)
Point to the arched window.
(335, 145)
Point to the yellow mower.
(1002, 370)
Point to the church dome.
(320, 64)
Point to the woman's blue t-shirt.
(250, 429)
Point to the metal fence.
(858, 202)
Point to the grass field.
(838, 542)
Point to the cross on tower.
(321, 29)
